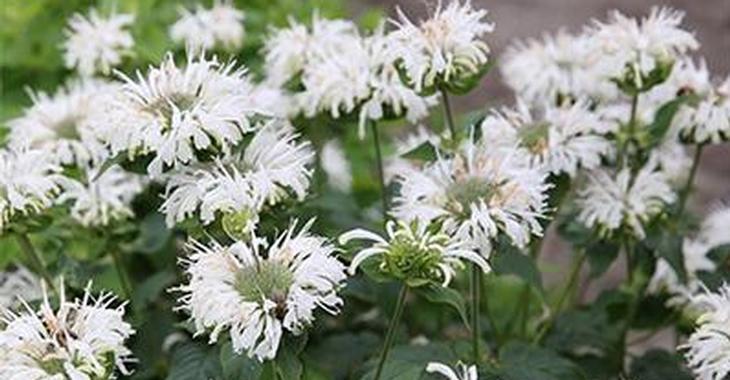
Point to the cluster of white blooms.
(334, 163)
(18, 285)
(81, 339)
(462, 372)
(97, 44)
(257, 291)
(28, 182)
(413, 253)
(708, 349)
(447, 47)
(478, 194)
(612, 200)
(221, 25)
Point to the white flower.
(221, 25)
(414, 253)
(273, 100)
(610, 201)
(640, 44)
(62, 123)
(255, 295)
(462, 372)
(708, 349)
(176, 112)
(561, 140)
(444, 48)
(708, 121)
(81, 339)
(96, 44)
(479, 193)
(28, 182)
(271, 167)
(673, 159)
(558, 65)
(335, 165)
(96, 199)
(18, 285)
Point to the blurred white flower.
(62, 123)
(205, 29)
(708, 121)
(271, 167)
(462, 372)
(414, 253)
(613, 200)
(18, 285)
(273, 100)
(560, 65)
(96, 44)
(446, 47)
(96, 200)
(673, 159)
(479, 193)
(707, 350)
(177, 112)
(255, 295)
(81, 339)
(558, 139)
(335, 165)
(28, 182)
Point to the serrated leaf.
(238, 366)
(445, 296)
(521, 361)
(424, 152)
(194, 361)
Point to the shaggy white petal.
(707, 350)
(335, 165)
(205, 29)
(97, 44)
(17, 286)
(462, 372)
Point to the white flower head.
(256, 292)
(205, 29)
(81, 339)
(707, 121)
(273, 166)
(707, 350)
(415, 253)
(335, 165)
(462, 372)
(28, 182)
(444, 48)
(97, 200)
(176, 112)
(479, 194)
(18, 285)
(561, 140)
(62, 123)
(611, 201)
(96, 44)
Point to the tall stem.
(390, 335)
(27, 247)
(684, 195)
(567, 291)
(123, 280)
(631, 128)
(476, 284)
(381, 173)
(629, 251)
(448, 116)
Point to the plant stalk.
(687, 189)
(27, 247)
(567, 291)
(381, 173)
(623, 159)
(476, 284)
(123, 280)
(448, 115)
(392, 327)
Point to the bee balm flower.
(708, 349)
(463, 371)
(221, 25)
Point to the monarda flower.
(462, 371)
(707, 350)
(205, 29)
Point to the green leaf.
(659, 365)
(152, 287)
(445, 296)
(288, 364)
(509, 260)
(154, 234)
(667, 244)
(465, 84)
(342, 353)
(601, 255)
(521, 361)
(238, 366)
(409, 362)
(424, 152)
(663, 119)
(194, 361)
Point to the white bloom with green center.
(479, 194)
(707, 350)
(271, 168)
(255, 295)
(28, 182)
(559, 139)
(334, 163)
(610, 201)
(416, 253)
(446, 47)
(18, 285)
(96, 200)
(178, 113)
(462, 371)
(205, 29)
(80, 340)
(95, 44)
(62, 123)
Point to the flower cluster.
(708, 348)
(205, 29)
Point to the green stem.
(476, 277)
(634, 304)
(448, 115)
(123, 280)
(392, 327)
(27, 247)
(567, 291)
(684, 195)
(381, 173)
(628, 250)
(492, 324)
(631, 130)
